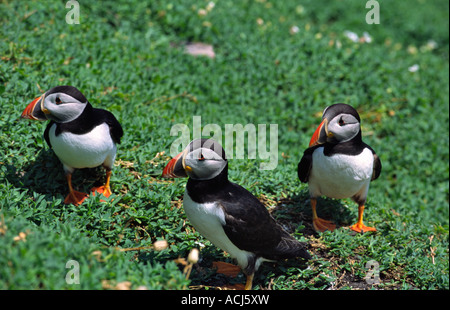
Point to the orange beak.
(175, 167)
(35, 110)
(320, 135)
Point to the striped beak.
(321, 134)
(175, 167)
(35, 110)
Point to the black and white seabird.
(80, 135)
(338, 164)
(227, 214)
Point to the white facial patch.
(62, 107)
(344, 127)
(204, 164)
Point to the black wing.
(250, 227)
(115, 128)
(305, 164)
(46, 133)
(376, 166)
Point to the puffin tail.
(289, 247)
(302, 252)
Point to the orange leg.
(105, 190)
(74, 197)
(249, 283)
(318, 223)
(359, 226)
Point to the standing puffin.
(227, 214)
(80, 135)
(338, 164)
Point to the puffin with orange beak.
(338, 164)
(80, 135)
(227, 214)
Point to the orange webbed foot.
(104, 190)
(323, 225)
(361, 228)
(75, 198)
(232, 271)
(227, 269)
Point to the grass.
(127, 57)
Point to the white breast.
(208, 218)
(340, 176)
(84, 151)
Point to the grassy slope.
(126, 57)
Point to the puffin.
(80, 135)
(338, 164)
(227, 214)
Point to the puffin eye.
(341, 122)
(58, 100)
(201, 157)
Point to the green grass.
(127, 57)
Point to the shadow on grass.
(45, 175)
(295, 213)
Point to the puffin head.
(340, 123)
(61, 104)
(202, 159)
